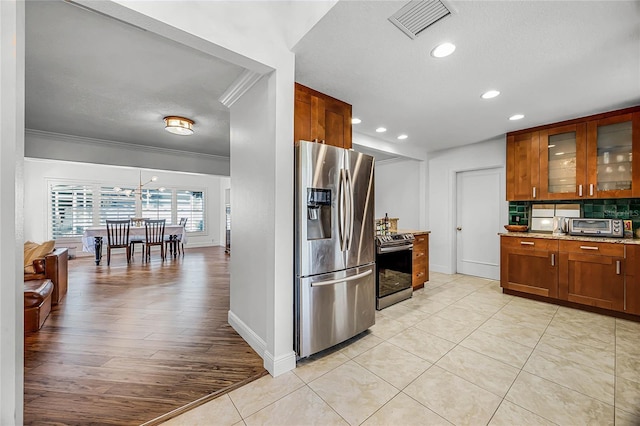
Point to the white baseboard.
(275, 366)
(256, 343)
(281, 365)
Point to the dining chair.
(136, 239)
(118, 237)
(176, 244)
(154, 236)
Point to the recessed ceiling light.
(442, 50)
(356, 121)
(559, 153)
(402, 137)
(516, 117)
(381, 130)
(551, 146)
(490, 94)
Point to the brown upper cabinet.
(563, 161)
(523, 175)
(321, 118)
(591, 157)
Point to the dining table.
(92, 237)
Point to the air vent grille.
(417, 15)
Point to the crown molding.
(239, 87)
(122, 145)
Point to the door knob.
(459, 228)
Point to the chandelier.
(138, 190)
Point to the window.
(77, 206)
(157, 204)
(116, 205)
(71, 209)
(190, 204)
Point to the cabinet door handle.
(589, 248)
(553, 259)
(591, 190)
(527, 243)
(618, 267)
(579, 190)
(534, 192)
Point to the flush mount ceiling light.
(442, 50)
(516, 117)
(178, 125)
(402, 137)
(356, 121)
(381, 130)
(490, 94)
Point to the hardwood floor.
(131, 343)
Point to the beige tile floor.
(459, 352)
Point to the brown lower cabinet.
(587, 273)
(529, 265)
(592, 274)
(420, 260)
(632, 280)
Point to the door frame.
(452, 223)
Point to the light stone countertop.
(570, 237)
(412, 231)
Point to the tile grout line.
(521, 370)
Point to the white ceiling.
(91, 76)
(88, 75)
(551, 60)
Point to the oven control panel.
(394, 239)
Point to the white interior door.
(480, 209)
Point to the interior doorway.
(480, 211)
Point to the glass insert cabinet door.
(562, 162)
(610, 152)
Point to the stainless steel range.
(394, 270)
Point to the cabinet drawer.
(530, 243)
(420, 239)
(589, 247)
(419, 277)
(419, 254)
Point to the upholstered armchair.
(53, 266)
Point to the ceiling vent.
(418, 15)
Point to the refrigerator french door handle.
(351, 210)
(342, 280)
(341, 208)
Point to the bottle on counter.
(386, 224)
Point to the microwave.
(597, 227)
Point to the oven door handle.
(394, 248)
(342, 280)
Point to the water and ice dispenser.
(318, 213)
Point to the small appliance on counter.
(560, 225)
(612, 228)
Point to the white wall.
(443, 166)
(398, 191)
(86, 150)
(11, 221)
(262, 230)
(38, 172)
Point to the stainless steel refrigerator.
(335, 293)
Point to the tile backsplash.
(621, 208)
